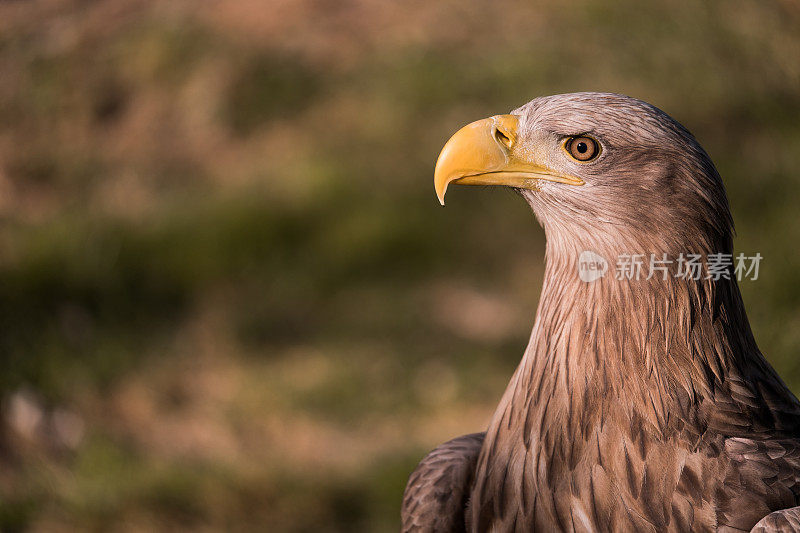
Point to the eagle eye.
(582, 148)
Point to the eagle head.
(600, 170)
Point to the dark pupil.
(582, 147)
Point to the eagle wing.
(438, 489)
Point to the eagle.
(641, 403)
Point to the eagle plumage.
(639, 404)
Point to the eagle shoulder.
(763, 476)
(784, 521)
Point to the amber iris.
(582, 148)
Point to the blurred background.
(229, 299)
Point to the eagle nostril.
(503, 138)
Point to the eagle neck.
(631, 350)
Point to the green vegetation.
(229, 299)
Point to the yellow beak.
(482, 153)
